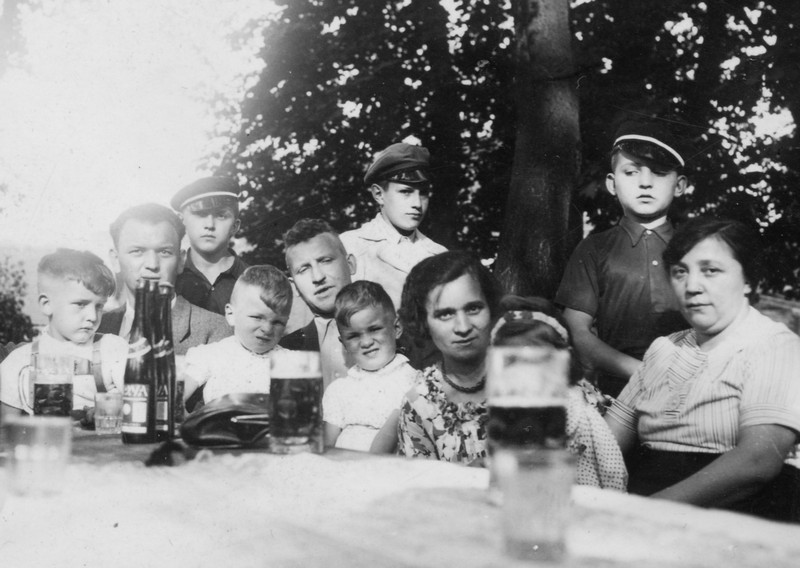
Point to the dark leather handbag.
(233, 420)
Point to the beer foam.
(286, 364)
(527, 401)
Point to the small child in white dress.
(361, 409)
(258, 311)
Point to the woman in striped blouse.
(713, 412)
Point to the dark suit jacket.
(191, 326)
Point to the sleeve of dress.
(623, 408)
(333, 403)
(413, 438)
(771, 392)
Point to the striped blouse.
(682, 399)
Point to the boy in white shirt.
(258, 311)
(361, 410)
(390, 245)
(73, 289)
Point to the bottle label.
(162, 408)
(134, 409)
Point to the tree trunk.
(534, 243)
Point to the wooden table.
(341, 509)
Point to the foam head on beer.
(368, 324)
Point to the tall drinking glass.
(527, 389)
(295, 395)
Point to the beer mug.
(295, 402)
(45, 386)
(531, 472)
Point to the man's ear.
(377, 193)
(398, 328)
(45, 305)
(351, 263)
(610, 187)
(229, 315)
(113, 257)
(680, 186)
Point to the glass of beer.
(45, 386)
(527, 390)
(39, 449)
(295, 402)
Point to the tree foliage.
(15, 325)
(344, 78)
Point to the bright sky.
(109, 107)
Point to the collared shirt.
(385, 256)
(618, 277)
(683, 399)
(195, 287)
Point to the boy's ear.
(236, 226)
(377, 193)
(45, 305)
(229, 314)
(610, 185)
(113, 257)
(398, 328)
(680, 186)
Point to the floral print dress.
(432, 427)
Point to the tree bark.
(534, 244)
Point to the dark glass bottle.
(167, 398)
(138, 396)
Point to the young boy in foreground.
(615, 280)
(209, 209)
(390, 245)
(258, 312)
(361, 410)
(73, 289)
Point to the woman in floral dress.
(452, 300)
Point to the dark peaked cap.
(216, 189)
(654, 133)
(400, 162)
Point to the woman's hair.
(540, 321)
(743, 241)
(435, 271)
(360, 295)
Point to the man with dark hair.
(147, 245)
(319, 267)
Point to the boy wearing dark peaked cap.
(615, 281)
(390, 245)
(209, 209)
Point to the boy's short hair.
(360, 295)
(649, 142)
(276, 290)
(82, 266)
(151, 213)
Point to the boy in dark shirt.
(209, 208)
(614, 281)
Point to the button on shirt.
(618, 277)
(195, 287)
